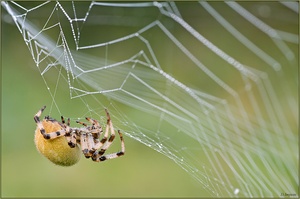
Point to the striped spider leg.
(104, 144)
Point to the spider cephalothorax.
(59, 142)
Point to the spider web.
(211, 85)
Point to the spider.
(59, 142)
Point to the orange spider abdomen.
(56, 150)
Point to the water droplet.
(236, 191)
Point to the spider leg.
(111, 138)
(68, 135)
(96, 133)
(72, 139)
(98, 156)
(91, 145)
(38, 122)
(92, 121)
(96, 141)
(95, 123)
(41, 127)
(56, 134)
(99, 144)
(84, 124)
(38, 114)
(93, 140)
(87, 144)
(83, 143)
(63, 121)
(113, 155)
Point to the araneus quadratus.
(59, 142)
